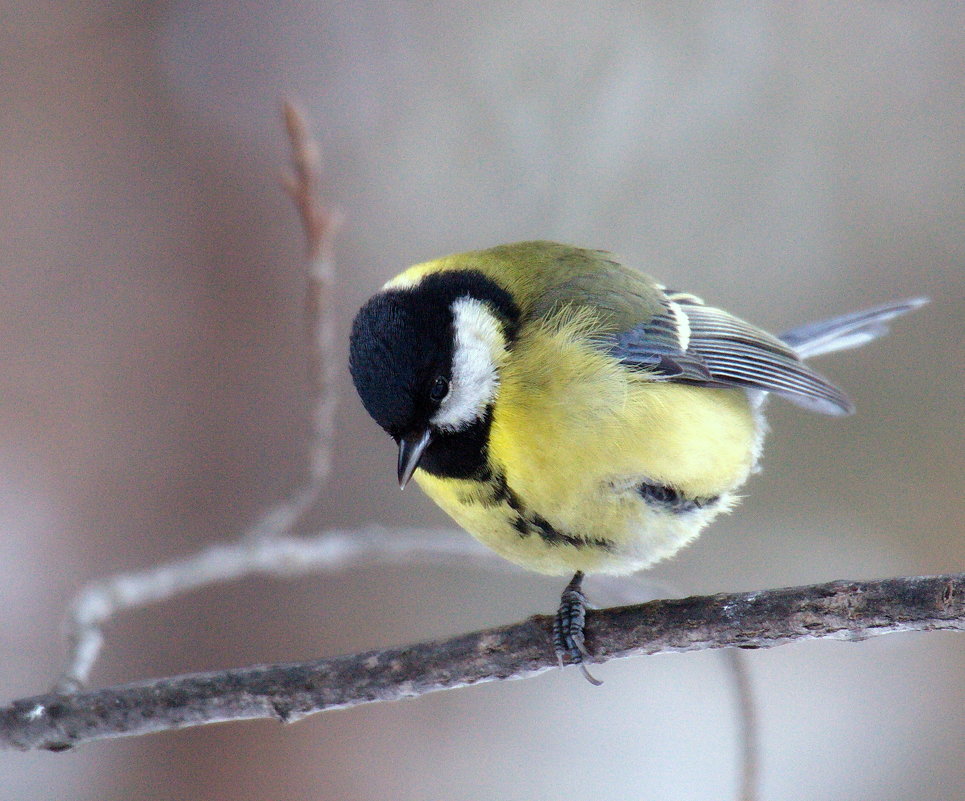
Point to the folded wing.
(690, 342)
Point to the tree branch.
(849, 610)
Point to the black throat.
(462, 454)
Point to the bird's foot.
(568, 637)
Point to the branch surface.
(849, 610)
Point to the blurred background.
(787, 162)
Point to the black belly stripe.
(671, 500)
(528, 526)
(529, 523)
(550, 535)
(501, 493)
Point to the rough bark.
(849, 610)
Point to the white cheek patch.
(479, 344)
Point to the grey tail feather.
(848, 331)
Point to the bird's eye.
(438, 390)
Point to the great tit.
(572, 413)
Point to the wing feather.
(849, 330)
(720, 350)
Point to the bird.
(574, 414)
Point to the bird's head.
(425, 357)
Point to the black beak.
(410, 452)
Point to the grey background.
(787, 162)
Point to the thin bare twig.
(321, 224)
(98, 602)
(848, 610)
(330, 551)
(747, 730)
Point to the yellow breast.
(574, 433)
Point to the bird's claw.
(568, 628)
